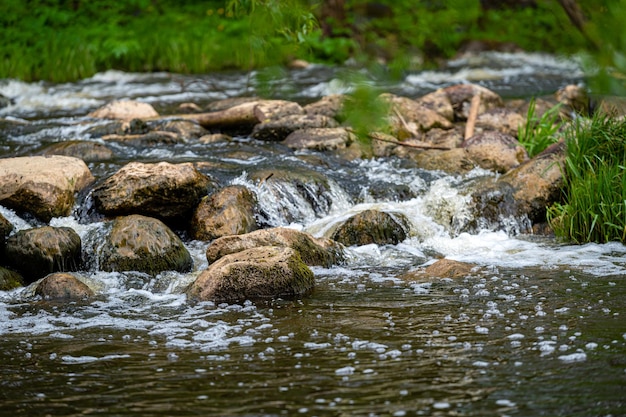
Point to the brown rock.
(276, 130)
(63, 287)
(124, 109)
(144, 244)
(461, 95)
(260, 273)
(10, 279)
(42, 185)
(37, 252)
(329, 106)
(495, 151)
(439, 102)
(501, 120)
(372, 226)
(163, 190)
(574, 100)
(442, 268)
(229, 211)
(537, 183)
(408, 117)
(320, 139)
(85, 150)
(312, 251)
(455, 161)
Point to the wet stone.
(10, 279)
(140, 243)
(37, 252)
(264, 272)
(372, 226)
(63, 287)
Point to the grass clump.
(594, 209)
(539, 132)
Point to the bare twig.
(409, 145)
(471, 119)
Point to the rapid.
(536, 329)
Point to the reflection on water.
(537, 330)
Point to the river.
(536, 330)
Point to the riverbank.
(76, 40)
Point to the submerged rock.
(143, 244)
(442, 268)
(44, 186)
(230, 211)
(312, 251)
(259, 273)
(37, 252)
(63, 287)
(372, 226)
(87, 151)
(163, 190)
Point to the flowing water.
(537, 329)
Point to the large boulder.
(61, 286)
(260, 273)
(230, 211)
(495, 151)
(454, 161)
(163, 190)
(312, 251)
(538, 183)
(372, 226)
(124, 109)
(44, 186)
(36, 252)
(143, 244)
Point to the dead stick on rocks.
(471, 119)
(409, 145)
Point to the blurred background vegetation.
(65, 40)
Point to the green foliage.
(363, 109)
(595, 191)
(539, 132)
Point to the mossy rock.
(372, 226)
(143, 244)
(10, 279)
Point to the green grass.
(595, 190)
(539, 132)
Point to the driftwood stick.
(471, 119)
(409, 145)
(404, 123)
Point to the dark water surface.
(537, 330)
